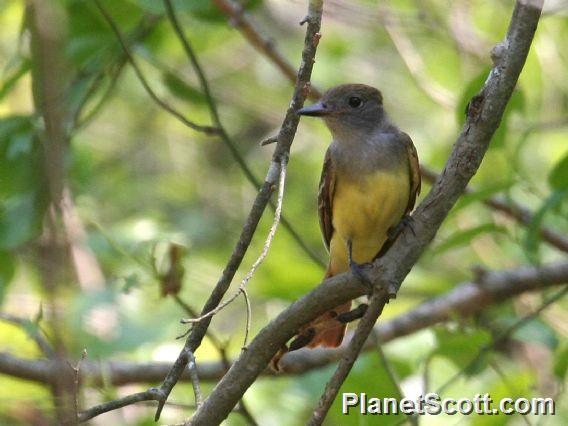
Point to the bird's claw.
(406, 222)
(353, 314)
(361, 272)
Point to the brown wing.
(415, 180)
(325, 198)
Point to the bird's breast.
(364, 208)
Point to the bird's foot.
(406, 221)
(353, 314)
(361, 272)
(302, 339)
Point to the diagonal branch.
(511, 209)
(285, 139)
(364, 328)
(484, 115)
(223, 133)
(463, 301)
(514, 210)
(208, 130)
(151, 394)
(503, 336)
(32, 330)
(257, 262)
(241, 20)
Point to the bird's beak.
(315, 110)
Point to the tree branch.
(208, 130)
(241, 20)
(151, 394)
(364, 328)
(510, 209)
(465, 300)
(503, 336)
(514, 210)
(285, 138)
(32, 330)
(484, 115)
(224, 135)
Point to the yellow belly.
(363, 211)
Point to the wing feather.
(415, 180)
(325, 198)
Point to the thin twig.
(208, 130)
(511, 209)
(285, 139)
(192, 367)
(463, 301)
(221, 348)
(415, 65)
(151, 394)
(223, 133)
(261, 257)
(77, 371)
(241, 20)
(503, 336)
(249, 318)
(483, 118)
(391, 373)
(32, 330)
(364, 328)
(215, 340)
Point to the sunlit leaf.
(461, 347)
(182, 90)
(23, 195)
(558, 177)
(462, 238)
(561, 361)
(516, 103)
(202, 9)
(481, 195)
(532, 239)
(537, 331)
(20, 70)
(7, 270)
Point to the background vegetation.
(140, 181)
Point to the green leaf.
(23, 195)
(472, 89)
(24, 65)
(7, 271)
(368, 376)
(463, 238)
(537, 331)
(558, 177)
(516, 104)
(481, 195)
(181, 89)
(461, 347)
(202, 9)
(21, 219)
(532, 239)
(561, 362)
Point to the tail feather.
(329, 332)
(324, 331)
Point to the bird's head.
(349, 108)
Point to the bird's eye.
(355, 102)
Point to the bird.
(368, 187)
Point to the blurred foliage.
(139, 180)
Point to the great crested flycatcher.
(369, 184)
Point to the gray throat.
(359, 153)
